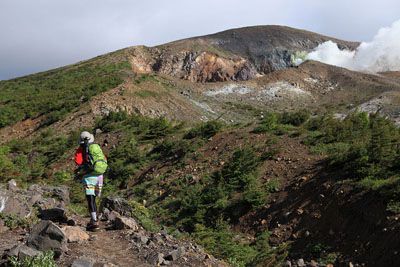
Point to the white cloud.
(381, 54)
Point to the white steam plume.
(381, 54)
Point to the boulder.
(21, 203)
(119, 205)
(55, 215)
(111, 216)
(47, 236)
(15, 204)
(122, 222)
(22, 251)
(75, 234)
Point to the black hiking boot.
(93, 226)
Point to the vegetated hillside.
(53, 94)
(289, 187)
(260, 167)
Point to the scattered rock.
(104, 265)
(140, 238)
(47, 236)
(157, 239)
(175, 254)
(83, 262)
(300, 211)
(122, 222)
(12, 185)
(287, 264)
(75, 234)
(156, 259)
(71, 222)
(3, 227)
(93, 238)
(313, 263)
(300, 263)
(98, 131)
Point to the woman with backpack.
(92, 164)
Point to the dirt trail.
(104, 246)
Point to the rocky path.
(107, 247)
(121, 240)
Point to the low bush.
(295, 118)
(204, 130)
(45, 259)
(267, 124)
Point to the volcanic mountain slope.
(238, 54)
(183, 80)
(314, 86)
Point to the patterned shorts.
(93, 184)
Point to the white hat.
(86, 136)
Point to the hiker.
(92, 164)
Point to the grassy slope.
(57, 92)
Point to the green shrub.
(361, 145)
(142, 214)
(224, 244)
(236, 171)
(45, 259)
(270, 153)
(204, 130)
(294, 118)
(393, 206)
(265, 254)
(143, 127)
(268, 124)
(6, 164)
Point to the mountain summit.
(237, 54)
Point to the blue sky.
(37, 35)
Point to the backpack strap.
(86, 153)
